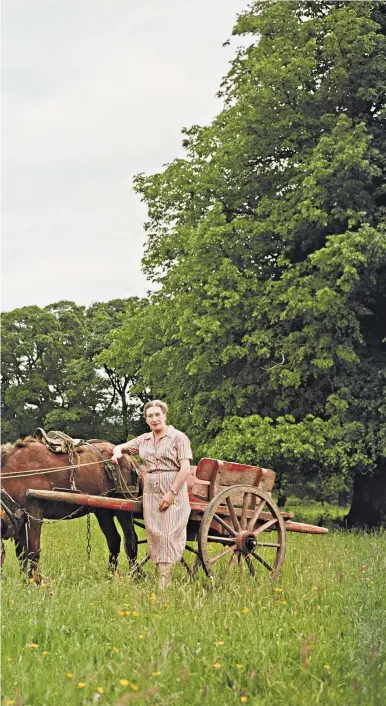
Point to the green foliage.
(268, 242)
(52, 375)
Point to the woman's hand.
(167, 500)
(117, 454)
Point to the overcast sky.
(93, 92)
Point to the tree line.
(267, 242)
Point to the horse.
(30, 464)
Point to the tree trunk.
(368, 508)
(125, 415)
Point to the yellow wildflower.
(124, 682)
(45, 652)
(153, 597)
(219, 642)
(127, 612)
(156, 674)
(279, 590)
(10, 703)
(315, 588)
(69, 675)
(9, 659)
(243, 699)
(217, 665)
(92, 603)
(284, 602)
(115, 649)
(245, 610)
(240, 666)
(100, 690)
(326, 666)
(81, 684)
(122, 612)
(134, 687)
(140, 637)
(33, 645)
(135, 613)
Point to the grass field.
(315, 636)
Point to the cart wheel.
(233, 524)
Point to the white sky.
(93, 92)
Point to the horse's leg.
(130, 536)
(33, 544)
(2, 553)
(106, 523)
(21, 547)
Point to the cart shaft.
(89, 500)
(304, 528)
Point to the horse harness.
(13, 515)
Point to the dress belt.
(161, 470)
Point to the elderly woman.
(166, 455)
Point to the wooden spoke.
(265, 526)
(246, 548)
(233, 515)
(225, 525)
(143, 561)
(196, 565)
(191, 549)
(139, 524)
(262, 561)
(192, 570)
(243, 518)
(221, 540)
(232, 563)
(255, 515)
(267, 544)
(215, 558)
(250, 566)
(185, 564)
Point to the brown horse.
(39, 468)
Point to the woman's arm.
(130, 446)
(180, 479)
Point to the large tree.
(268, 242)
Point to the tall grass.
(315, 636)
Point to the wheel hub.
(246, 542)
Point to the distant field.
(315, 636)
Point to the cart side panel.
(213, 475)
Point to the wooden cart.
(234, 522)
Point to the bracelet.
(175, 493)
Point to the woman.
(166, 455)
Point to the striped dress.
(166, 530)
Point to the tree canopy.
(268, 241)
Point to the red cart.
(234, 522)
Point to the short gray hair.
(155, 403)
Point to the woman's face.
(156, 418)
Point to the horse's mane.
(20, 443)
(8, 449)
